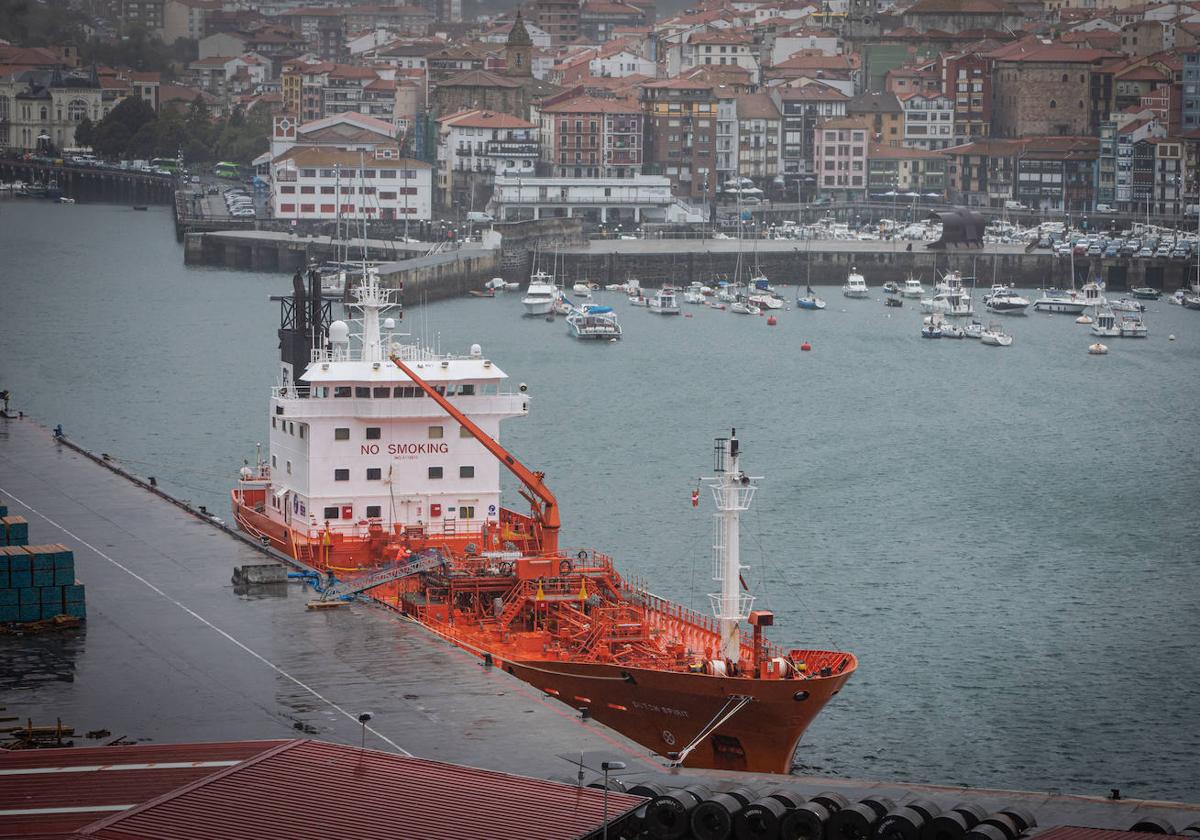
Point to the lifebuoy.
(564, 568)
(582, 555)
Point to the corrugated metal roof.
(1075, 832)
(56, 792)
(307, 789)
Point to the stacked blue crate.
(38, 582)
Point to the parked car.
(1104, 208)
(1011, 204)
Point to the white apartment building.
(928, 120)
(319, 183)
(607, 200)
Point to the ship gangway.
(427, 561)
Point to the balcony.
(512, 148)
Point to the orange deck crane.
(546, 513)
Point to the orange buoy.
(806, 346)
(771, 321)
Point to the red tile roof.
(590, 104)
(484, 119)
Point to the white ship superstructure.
(360, 448)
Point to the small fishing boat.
(809, 300)
(62, 199)
(141, 207)
(890, 288)
(1132, 326)
(973, 329)
(1106, 324)
(856, 285)
(664, 302)
(638, 299)
(743, 307)
(893, 300)
(995, 336)
(912, 288)
(482, 293)
(1146, 293)
(582, 290)
(952, 331)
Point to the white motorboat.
(1106, 324)
(952, 330)
(856, 285)
(664, 302)
(912, 288)
(1060, 300)
(764, 300)
(995, 336)
(1093, 294)
(594, 322)
(1132, 326)
(1005, 301)
(952, 281)
(1126, 304)
(540, 295)
(583, 290)
(694, 298)
(956, 304)
(743, 307)
(638, 299)
(973, 329)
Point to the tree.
(84, 132)
(110, 139)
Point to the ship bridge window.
(341, 475)
(341, 390)
(409, 391)
(272, 422)
(321, 391)
(362, 392)
(341, 434)
(374, 473)
(466, 472)
(466, 512)
(464, 432)
(435, 472)
(374, 432)
(382, 393)
(374, 512)
(331, 513)
(467, 389)
(435, 432)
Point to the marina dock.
(172, 651)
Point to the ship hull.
(662, 710)
(665, 710)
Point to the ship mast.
(732, 491)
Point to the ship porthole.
(668, 738)
(800, 696)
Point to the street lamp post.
(606, 766)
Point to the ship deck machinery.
(683, 684)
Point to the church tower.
(518, 51)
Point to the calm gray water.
(1006, 537)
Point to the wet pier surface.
(171, 651)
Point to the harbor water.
(1006, 537)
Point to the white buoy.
(1097, 349)
(1171, 337)
(1084, 319)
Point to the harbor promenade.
(172, 651)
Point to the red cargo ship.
(384, 472)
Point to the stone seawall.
(683, 265)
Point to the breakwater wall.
(93, 184)
(828, 267)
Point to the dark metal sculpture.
(961, 228)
